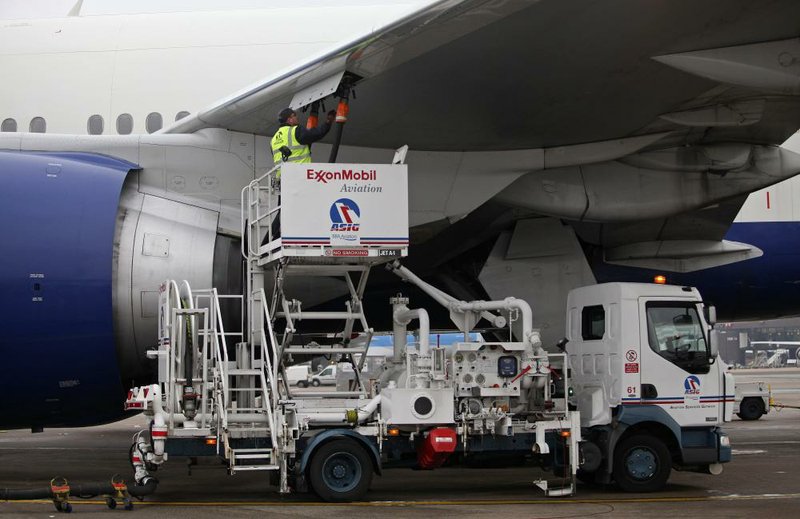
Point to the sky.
(21, 9)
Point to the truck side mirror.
(562, 344)
(713, 341)
(712, 315)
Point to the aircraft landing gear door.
(676, 374)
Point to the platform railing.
(255, 212)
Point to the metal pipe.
(399, 331)
(509, 303)
(400, 334)
(404, 315)
(322, 315)
(443, 298)
(359, 415)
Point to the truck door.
(675, 370)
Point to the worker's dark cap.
(284, 115)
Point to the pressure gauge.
(507, 366)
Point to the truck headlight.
(724, 441)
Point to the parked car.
(326, 377)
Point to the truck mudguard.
(329, 434)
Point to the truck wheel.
(751, 409)
(641, 464)
(315, 382)
(340, 471)
(302, 383)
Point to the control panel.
(487, 369)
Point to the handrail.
(274, 347)
(172, 292)
(221, 357)
(270, 419)
(251, 212)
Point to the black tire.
(641, 464)
(751, 409)
(340, 471)
(302, 383)
(315, 382)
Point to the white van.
(297, 374)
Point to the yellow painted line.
(460, 502)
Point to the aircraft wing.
(366, 58)
(520, 74)
(649, 120)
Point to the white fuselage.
(65, 70)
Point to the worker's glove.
(331, 116)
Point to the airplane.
(552, 144)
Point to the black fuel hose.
(147, 488)
(337, 141)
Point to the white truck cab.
(648, 382)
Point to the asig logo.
(345, 216)
(691, 385)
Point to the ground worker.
(291, 143)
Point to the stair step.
(245, 372)
(296, 395)
(265, 455)
(256, 450)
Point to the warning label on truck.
(348, 252)
(631, 367)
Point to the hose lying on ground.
(147, 487)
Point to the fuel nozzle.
(313, 116)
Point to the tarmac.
(762, 480)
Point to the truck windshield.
(676, 333)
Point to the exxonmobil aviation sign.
(324, 175)
(344, 205)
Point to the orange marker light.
(211, 441)
(394, 432)
(660, 280)
(565, 434)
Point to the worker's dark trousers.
(275, 227)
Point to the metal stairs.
(230, 387)
(241, 460)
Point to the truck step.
(254, 467)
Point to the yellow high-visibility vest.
(285, 137)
